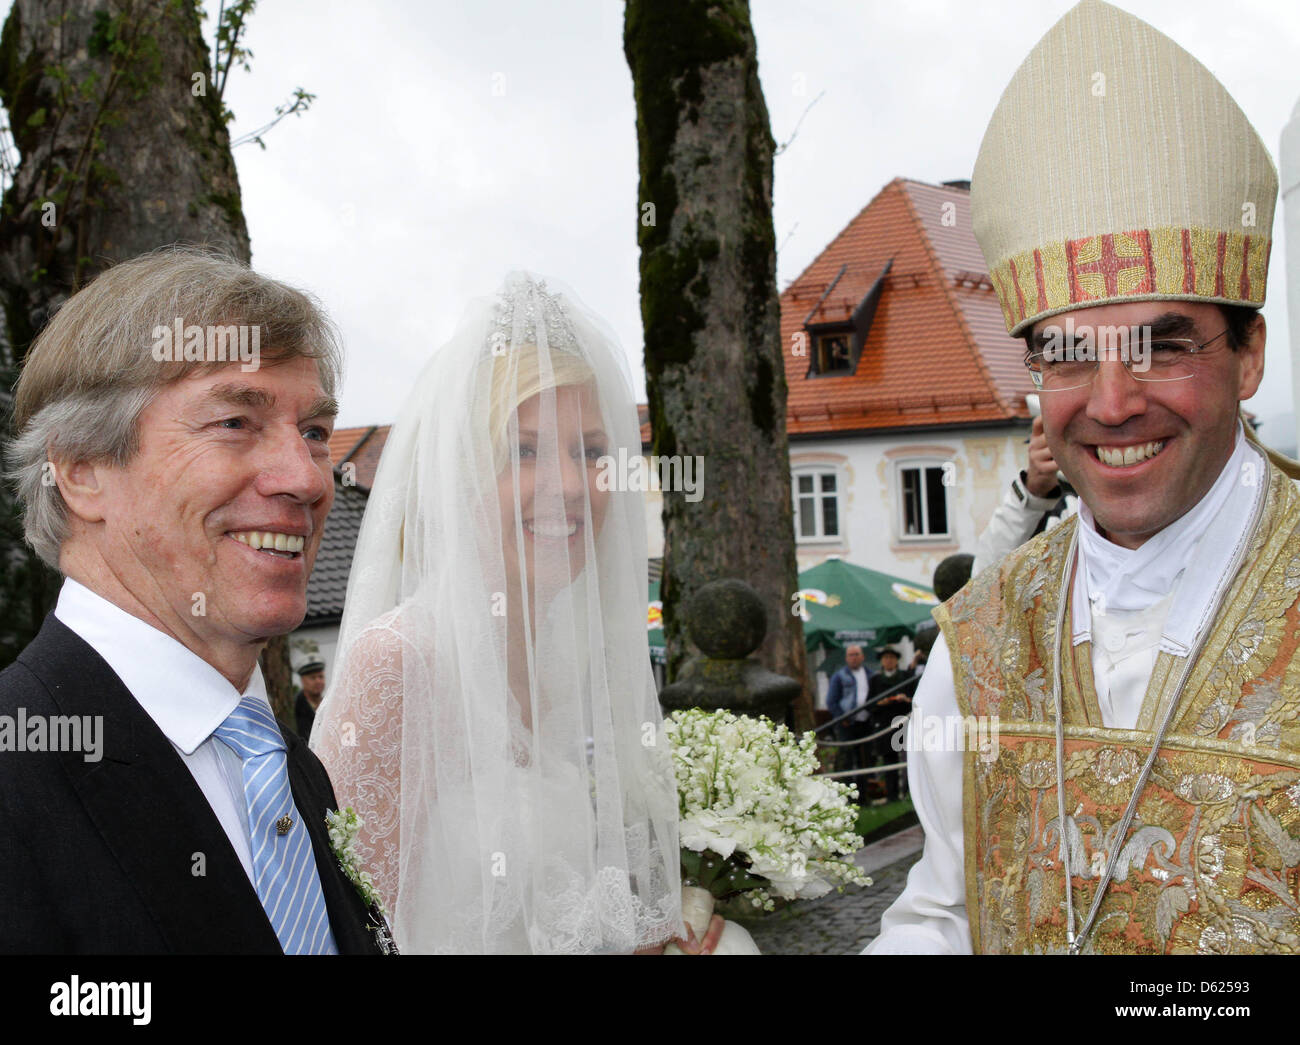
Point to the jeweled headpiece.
(525, 310)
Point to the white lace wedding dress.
(492, 715)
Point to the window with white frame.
(922, 500)
(816, 504)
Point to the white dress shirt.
(186, 697)
(1146, 600)
(860, 680)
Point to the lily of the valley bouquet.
(754, 820)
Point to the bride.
(493, 717)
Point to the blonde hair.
(516, 378)
(92, 371)
(513, 379)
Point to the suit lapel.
(148, 809)
(347, 911)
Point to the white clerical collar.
(1136, 579)
(185, 695)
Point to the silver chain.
(1076, 941)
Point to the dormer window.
(834, 355)
(837, 344)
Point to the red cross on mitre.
(1111, 265)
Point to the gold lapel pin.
(283, 825)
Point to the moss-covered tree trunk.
(711, 312)
(122, 149)
(120, 131)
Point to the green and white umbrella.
(841, 604)
(655, 626)
(845, 604)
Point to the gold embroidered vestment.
(1211, 863)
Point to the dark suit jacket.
(104, 857)
(304, 714)
(883, 714)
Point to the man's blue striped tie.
(284, 866)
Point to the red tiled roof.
(937, 351)
(359, 446)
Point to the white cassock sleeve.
(1012, 524)
(929, 917)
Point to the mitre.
(1116, 168)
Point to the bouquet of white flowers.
(754, 818)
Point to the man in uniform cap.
(307, 699)
(1141, 793)
(890, 711)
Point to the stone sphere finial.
(726, 619)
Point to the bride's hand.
(689, 945)
(711, 938)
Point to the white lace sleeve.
(360, 743)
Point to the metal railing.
(909, 685)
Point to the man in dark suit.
(151, 804)
(885, 711)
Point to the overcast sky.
(453, 141)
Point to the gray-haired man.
(181, 485)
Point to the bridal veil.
(492, 714)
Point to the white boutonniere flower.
(344, 824)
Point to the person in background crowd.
(848, 689)
(307, 699)
(883, 713)
(951, 575)
(1036, 500)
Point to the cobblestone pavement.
(843, 923)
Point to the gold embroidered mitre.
(1116, 168)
